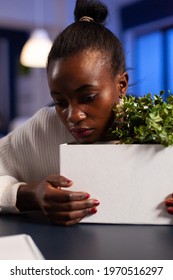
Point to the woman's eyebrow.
(84, 87)
(78, 90)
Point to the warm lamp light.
(36, 49)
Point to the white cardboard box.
(19, 247)
(130, 181)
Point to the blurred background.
(145, 27)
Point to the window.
(169, 51)
(149, 46)
(153, 62)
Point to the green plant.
(144, 120)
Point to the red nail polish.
(65, 182)
(68, 181)
(170, 210)
(169, 202)
(87, 195)
(96, 202)
(93, 210)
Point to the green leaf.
(144, 120)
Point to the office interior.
(145, 27)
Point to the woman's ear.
(123, 84)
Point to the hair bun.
(90, 8)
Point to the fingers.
(59, 181)
(72, 212)
(62, 206)
(73, 206)
(169, 204)
(71, 218)
(60, 195)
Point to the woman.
(87, 78)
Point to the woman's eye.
(87, 98)
(61, 103)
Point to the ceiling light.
(36, 49)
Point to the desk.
(92, 241)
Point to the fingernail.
(170, 210)
(67, 181)
(93, 210)
(169, 202)
(87, 195)
(96, 202)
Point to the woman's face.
(84, 93)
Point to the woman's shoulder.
(44, 113)
(32, 127)
(42, 122)
(42, 118)
(44, 126)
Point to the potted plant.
(131, 180)
(146, 120)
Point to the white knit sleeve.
(29, 154)
(8, 193)
(8, 184)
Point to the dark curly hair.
(83, 35)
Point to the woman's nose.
(75, 114)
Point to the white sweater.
(29, 154)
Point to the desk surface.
(92, 241)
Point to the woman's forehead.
(86, 68)
(85, 61)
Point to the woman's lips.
(81, 132)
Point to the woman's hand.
(169, 204)
(61, 206)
